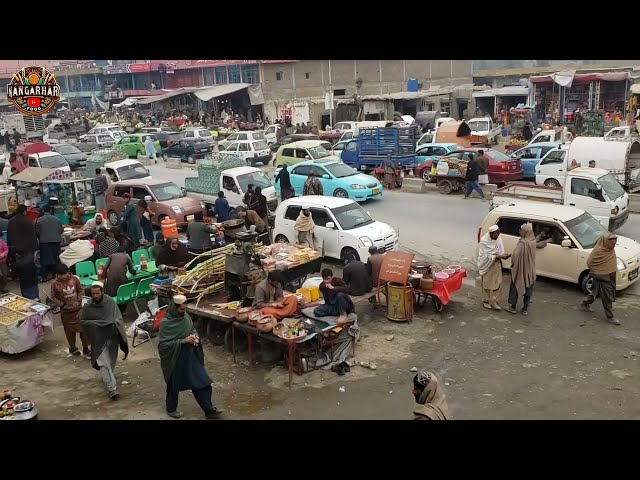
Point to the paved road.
(442, 228)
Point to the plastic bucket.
(399, 302)
(306, 293)
(315, 293)
(169, 228)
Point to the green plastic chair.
(136, 254)
(84, 270)
(143, 291)
(152, 255)
(126, 293)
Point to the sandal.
(346, 367)
(369, 365)
(486, 305)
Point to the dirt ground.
(557, 363)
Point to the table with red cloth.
(442, 292)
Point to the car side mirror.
(307, 157)
(566, 243)
(330, 225)
(326, 176)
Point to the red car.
(502, 169)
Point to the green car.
(132, 145)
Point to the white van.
(49, 160)
(126, 170)
(554, 136)
(343, 228)
(202, 133)
(573, 234)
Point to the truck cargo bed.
(521, 191)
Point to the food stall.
(22, 323)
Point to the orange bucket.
(169, 228)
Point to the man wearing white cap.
(102, 322)
(304, 227)
(182, 360)
(490, 256)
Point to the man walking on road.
(602, 263)
(286, 191)
(491, 254)
(66, 293)
(471, 178)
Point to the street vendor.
(250, 218)
(173, 257)
(270, 299)
(199, 234)
(336, 299)
(94, 224)
(77, 214)
(305, 227)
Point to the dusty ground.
(557, 363)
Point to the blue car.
(530, 156)
(425, 154)
(337, 179)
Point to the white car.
(104, 139)
(202, 133)
(126, 170)
(239, 136)
(104, 128)
(344, 229)
(157, 130)
(251, 152)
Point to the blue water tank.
(412, 85)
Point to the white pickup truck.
(485, 127)
(593, 190)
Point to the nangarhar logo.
(33, 90)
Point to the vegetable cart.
(22, 323)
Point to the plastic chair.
(126, 293)
(84, 270)
(143, 291)
(152, 255)
(145, 330)
(136, 254)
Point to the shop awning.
(165, 96)
(33, 174)
(584, 77)
(207, 93)
(511, 91)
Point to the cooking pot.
(266, 323)
(253, 317)
(242, 314)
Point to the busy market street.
(233, 240)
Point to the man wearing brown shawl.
(523, 268)
(490, 256)
(431, 402)
(602, 263)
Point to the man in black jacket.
(285, 183)
(357, 277)
(471, 178)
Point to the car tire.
(552, 182)
(586, 283)
(113, 218)
(426, 175)
(340, 193)
(191, 160)
(282, 239)
(349, 253)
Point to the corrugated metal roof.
(510, 91)
(432, 91)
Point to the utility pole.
(330, 98)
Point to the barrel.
(412, 85)
(399, 302)
(169, 228)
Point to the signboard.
(130, 68)
(33, 90)
(396, 267)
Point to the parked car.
(426, 153)
(297, 152)
(530, 156)
(105, 139)
(76, 158)
(239, 136)
(188, 149)
(426, 138)
(199, 132)
(251, 152)
(337, 148)
(294, 137)
(119, 170)
(105, 128)
(155, 130)
(337, 179)
(166, 138)
(343, 228)
(167, 200)
(573, 233)
(502, 169)
(133, 144)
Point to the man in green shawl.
(132, 220)
(102, 323)
(182, 360)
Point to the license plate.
(633, 275)
(203, 149)
(376, 191)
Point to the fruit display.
(517, 142)
(9, 316)
(18, 305)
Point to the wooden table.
(206, 311)
(442, 291)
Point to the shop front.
(499, 102)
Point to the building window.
(427, 107)
(279, 75)
(234, 74)
(444, 107)
(340, 92)
(250, 73)
(209, 75)
(307, 75)
(221, 75)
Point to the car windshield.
(611, 186)
(53, 161)
(479, 125)
(204, 133)
(67, 150)
(258, 178)
(497, 156)
(166, 191)
(586, 229)
(131, 172)
(339, 146)
(351, 216)
(258, 135)
(118, 134)
(341, 170)
(318, 152)
(262, 145)
(426, 138)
